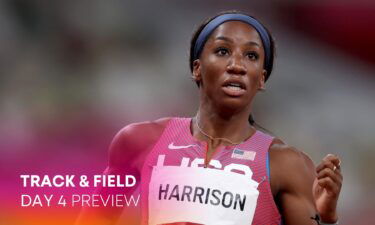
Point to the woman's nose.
(236, 66)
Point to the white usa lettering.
(214, 163)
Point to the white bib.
(201, 195)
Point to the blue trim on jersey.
(268, 166)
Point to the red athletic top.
(233, 190)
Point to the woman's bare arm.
(294, 181)
(127, 153)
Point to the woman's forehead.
(236, 31)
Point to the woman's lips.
(233, 91)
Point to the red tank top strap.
(266, 211)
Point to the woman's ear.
(262, 80)
(197, 71)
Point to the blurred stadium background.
(72, 73)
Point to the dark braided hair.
(199, 30)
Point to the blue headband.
(213, 24)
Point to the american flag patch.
(241, 154)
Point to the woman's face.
(230, 68)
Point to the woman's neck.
(220, 127)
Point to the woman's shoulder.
(287, 160)
(281, 148)
(142, 132)
(142, 128)
(136, 138)
(287, 153)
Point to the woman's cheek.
(256, 72)
(254, 79)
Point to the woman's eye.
(252, 55)
(221, 51)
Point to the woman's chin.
(233, 104)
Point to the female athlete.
(217, 168)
